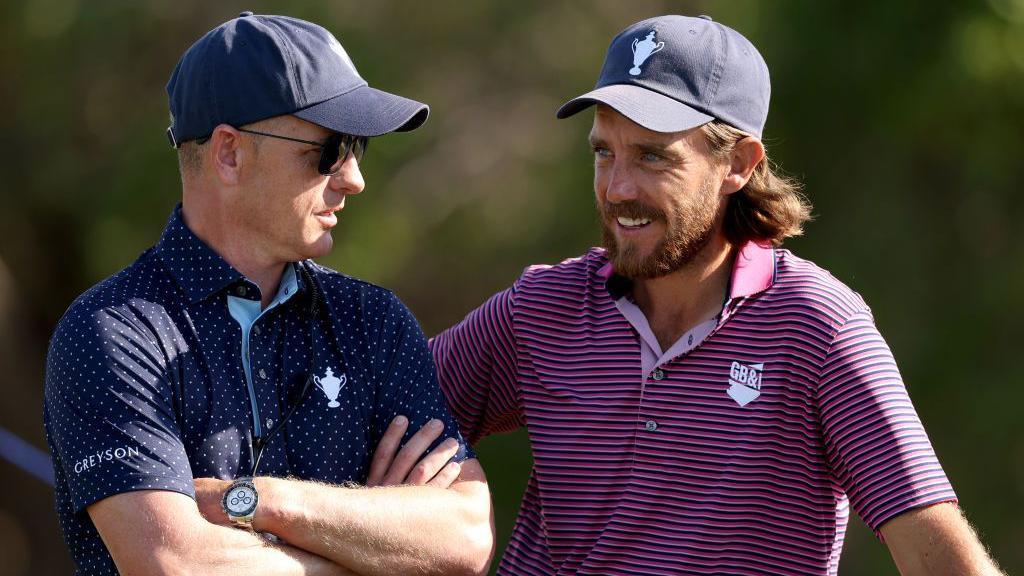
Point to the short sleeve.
(108, 409)
(476, 365)
(410, 384)
(877, 447)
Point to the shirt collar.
(195, 266)
(753, 271)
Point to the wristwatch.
(240, 502)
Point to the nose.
(348, 180)
(618, 184)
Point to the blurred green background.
(904, 119)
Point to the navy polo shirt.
(146, 387)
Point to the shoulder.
(134, 299)
(360, 306)
(121, 325)
(570, 276)
(802, 285)
(349, 291)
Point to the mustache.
(631, 209)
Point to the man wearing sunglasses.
(214, 408)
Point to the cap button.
(705, 17)
(244, 14)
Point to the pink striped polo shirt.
(741, 455)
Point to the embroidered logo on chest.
(745, 382)
(331, 386)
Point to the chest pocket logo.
(331, 386)
(745, 382)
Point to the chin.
(318, 248)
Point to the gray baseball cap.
(673, 73)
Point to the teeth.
(631, 222)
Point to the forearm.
(214, 550)
(390, 530)
(161, 532)
(937, 541)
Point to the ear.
(743, 158)
(226, 154)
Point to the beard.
(689, 227)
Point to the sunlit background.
(904, 119)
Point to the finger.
(432, 463)
(447, 476)
(412, 452)
(386, 449)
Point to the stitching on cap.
(290, 62)
(211, 80)
(717, 68)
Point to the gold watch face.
(240, 499)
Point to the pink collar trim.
(753, 271)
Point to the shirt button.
(651, 425)
(658, 374)
(256, 330)
(270, 422)
(240, 291)
(263, 373)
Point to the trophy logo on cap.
(642, 50)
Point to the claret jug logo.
(642, 50)
(745, 382)
(331, 386)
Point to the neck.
(214, 225)
(676, 302)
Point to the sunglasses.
(333, 151)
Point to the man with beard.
(698, 399)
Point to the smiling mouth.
(632, 223)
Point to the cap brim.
(367, 111)
(647, 108)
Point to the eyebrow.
(645, 147)
(656, 148)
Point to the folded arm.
(162, 532)
(386, 530)
(438, 521)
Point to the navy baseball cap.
(673, 73)
(257, 66)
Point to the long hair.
(770, 208)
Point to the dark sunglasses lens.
(359, 147)
(330, 154)
(336, 151)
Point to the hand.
(209, 494)
(434, 469)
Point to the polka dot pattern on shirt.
(145, 387)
